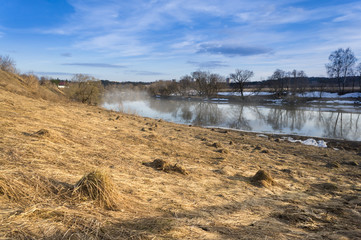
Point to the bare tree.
(207, 84)
(185, 85)
(7, 64)
(216, 82)
(201, 82)
(278, 82)
(85, 89)
(163, 88)
(297, 81)
(340, 66)
(241, 77)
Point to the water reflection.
(342, 125)
(309, 121)
(207, 114)
(291, 118)
(238, 119)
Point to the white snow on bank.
(219, 99)
(315, 94)
(328, 95)
(310, 142)
(337, 102)
(262, 135)
(238, 94)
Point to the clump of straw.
(98, 186)
(263, 178)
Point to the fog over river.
(329, 121)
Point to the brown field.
(72, 171)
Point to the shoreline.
(331, 142)
(266, 99)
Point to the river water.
(328, 121)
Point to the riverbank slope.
(171, 181)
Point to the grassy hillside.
(72, 171)
(29, 86)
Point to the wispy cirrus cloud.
(232, 50)
(54, 73)
(208, 64)
(98, 65)
(144, 73)
(129, 28)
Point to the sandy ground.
(316, 192)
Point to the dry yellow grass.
(263, 178)
(98, 186)
(46, 147)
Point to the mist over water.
(342, 122)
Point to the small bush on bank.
(7, 64)
(85, 89)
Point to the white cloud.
(157, 30)
(124, 44)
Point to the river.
(326, 121)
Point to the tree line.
(344, 75)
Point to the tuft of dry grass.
(98, 186)
(263, 178)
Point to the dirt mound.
(97, 186)
(216, 145)
(263, 178)
(164, 166)
(41, 133)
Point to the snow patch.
(219, 99)
(337, 102)
(317, 94)
(262, 135)
(238, 94)
(310, 142)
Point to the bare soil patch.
(163, 165)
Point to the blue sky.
(151, 40)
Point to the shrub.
(7, 64)
(85, 89)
